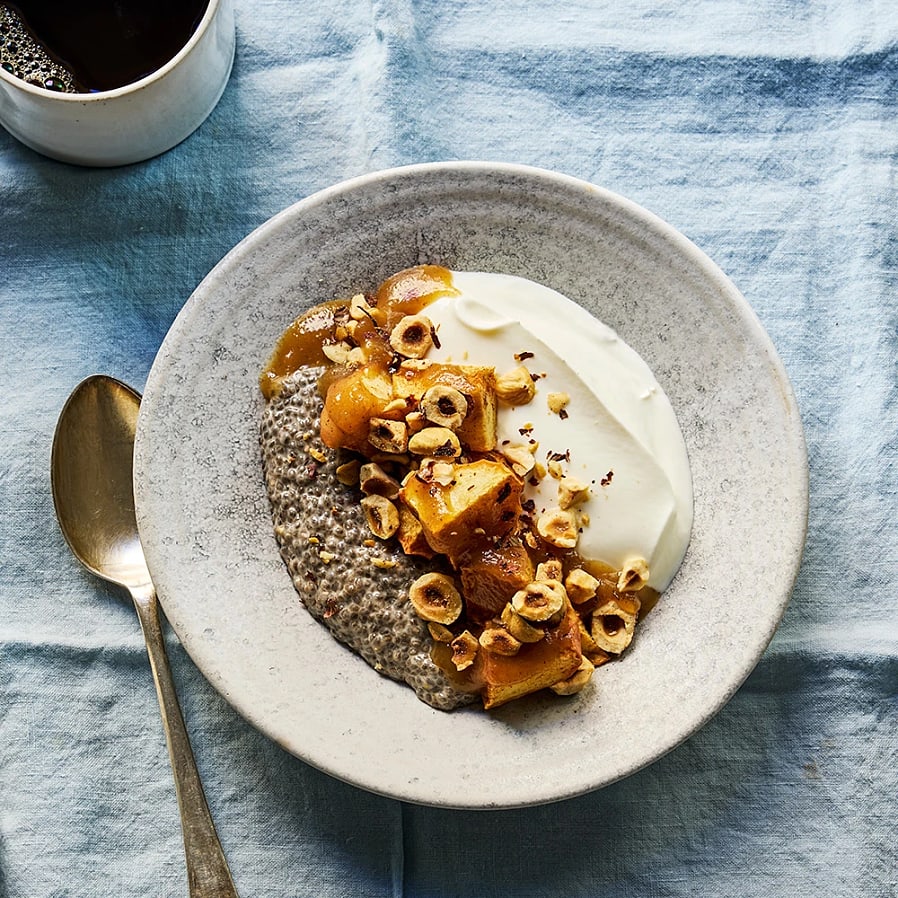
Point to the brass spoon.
(90, 470)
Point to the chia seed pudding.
(355, 585)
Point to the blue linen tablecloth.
(767, 132)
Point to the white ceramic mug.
(130, 123)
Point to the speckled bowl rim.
(314, 725)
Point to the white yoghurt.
(620, 427)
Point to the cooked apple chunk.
(484, 497)
(477, 429)
(536, 666)
(491, 575)
(351, 403)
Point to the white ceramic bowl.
(205, 522)
(134, 122)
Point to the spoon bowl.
(91, 471)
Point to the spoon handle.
(207, 869)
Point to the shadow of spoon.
(91, 476)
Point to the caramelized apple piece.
(491, 576)
(536, 666)
(483, 500)
(351, 402)
(477, 384)
(411, 534)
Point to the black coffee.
(83, 46)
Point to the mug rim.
(14, 81)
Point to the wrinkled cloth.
(767, 132)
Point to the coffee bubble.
(21, 55)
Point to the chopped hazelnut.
(558, 527)
(515, 387)
(538, 601)
(550, 569)
(499, 641)
(359, 310)
(581, 586)
(634, 575)
(557, 402)
(373, 480)
(415, 421)
(440, 632)
(464, 650)
(384, 564)
(435, 598)
(571, 492)
(388, 436)
(521, 629)
(397, 405)
(439, 442)
(412, 337)
(614, 622)
(348, 473)
(382, 516)
(444, 406)
(520, 457)
(338, 353)
(436, 470)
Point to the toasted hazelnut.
(444, 406)
(440, 632)
(521, 629)
(359, 310)
(515, 387)
(384, 564)
(576, 681)
(374, 480)
(348, 472)
(357, 357)
(464, 650)
(571, 492)
(382, 516)
(557, 402)
(499, 641)
(436, 470)
(338, 353)
(388, 436)
(634, 576)
(415, 421)
(435, 598)
(438, 442)
(580, 586)
(412, 336)
(415, 364)
(558, 527)
(550, 569)
(538, 601)
(520, 457)
(613, 623)
(398, 405)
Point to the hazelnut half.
(412, 336)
